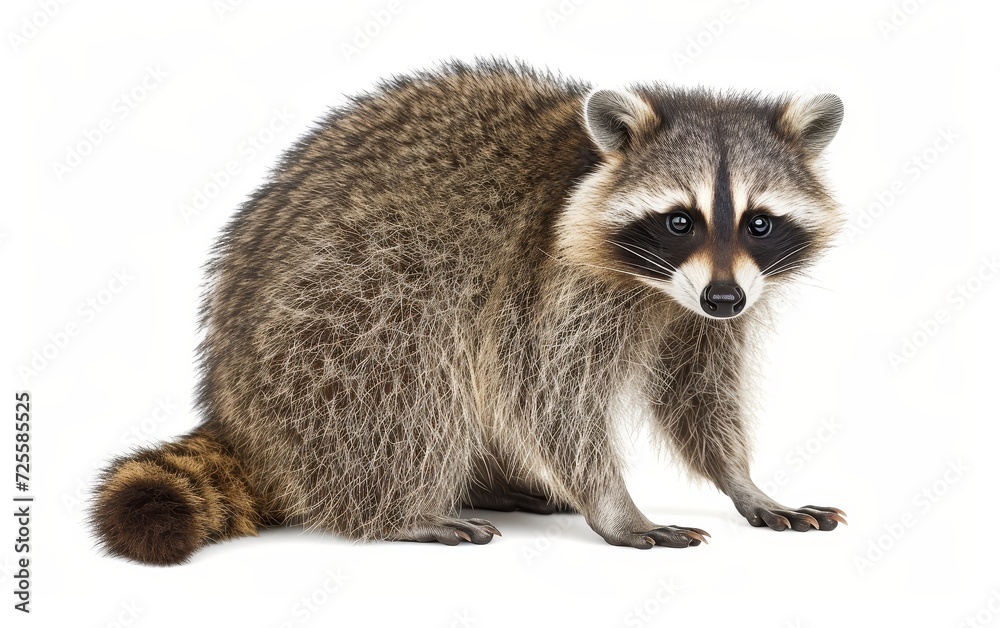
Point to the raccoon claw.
(800, 520)
(828, 516)
(665, 536)
(453, 531)
(761, 517)
(826, 509)
(677, 536)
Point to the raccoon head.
(710, 198)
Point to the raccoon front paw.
(452, 532)
(666, 536)
(801, 519)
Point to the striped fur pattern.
(423, 309)
(158, 503)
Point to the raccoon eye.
(759, 226)
(679, 223)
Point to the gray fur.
(409, 316)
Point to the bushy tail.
(161, 504)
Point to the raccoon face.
(709, 198)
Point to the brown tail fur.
(161, 504)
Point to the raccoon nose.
(723, 300)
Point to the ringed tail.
(161, 504)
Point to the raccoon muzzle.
(161, 504)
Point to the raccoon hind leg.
(494, 487)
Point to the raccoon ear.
(811, 122)
(617, 120)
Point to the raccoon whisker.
(615, 270)
(589, 265)
(782, 258)
(668, 264)
(773, 268)
(789, 267)
(816, 285)
(666, 272)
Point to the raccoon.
(450, 292)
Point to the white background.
(840, 424)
